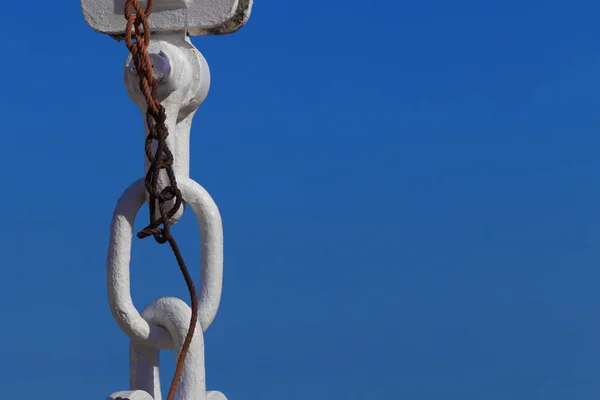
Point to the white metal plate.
(197, 17)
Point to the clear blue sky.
(410, 194)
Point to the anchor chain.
(137, 39)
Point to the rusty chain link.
(137, 39)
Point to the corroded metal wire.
(137, 39)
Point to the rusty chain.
(137, 39)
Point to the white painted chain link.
(184, 81)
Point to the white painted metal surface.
(197, 17)
(184, 80)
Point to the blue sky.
(409, 191)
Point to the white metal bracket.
(195, 17)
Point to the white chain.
(184, 81)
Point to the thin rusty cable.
(137, 39)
